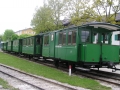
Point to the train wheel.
(73, 68)
(29, 57)
(56, 63)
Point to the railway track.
(35, 82)
(107, 77)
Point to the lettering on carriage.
(58, 46)
(84, 45)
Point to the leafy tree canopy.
(47, 18)
(23, 36)
(14, 36)
(8, 35)
(42, 21)
(106, 9)
(79, 12)
(1, 37)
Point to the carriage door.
(89, 49)
(109, 52)
(52, 44)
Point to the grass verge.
(41, 70)
(5, 85)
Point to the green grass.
(5, 85)
(41, 70)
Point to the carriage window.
(46, 40)
(52, 37)
(117, 37)
(95, 38)
(9, 43)
(64, 38)
(31, 41)
(85, 36)
(73, 37)
(16, 43)
(69, 38)
(24, 42)
(28, 41)
(60, 38)
(38, 40)
(104, 38)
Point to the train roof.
(106, 26)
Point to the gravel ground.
(110, 85)
(16, 83)
(23, 86)
(113, 87)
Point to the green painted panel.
(71, 53)
(9, 48)
(110, 53)
(20, 46)
(17, 45)
(2, 46)
(5, 46)
(81, 52)
(90, 52)
(28, 49)
(16, 48)
(37, 49)
(56, 46)
(45, 51)
(61, 52)
(52, 45)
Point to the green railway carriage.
(32, 45)
(87, 45)
(4, 46)
(17, 46)
(48, 49)
(9, 46)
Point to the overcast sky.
(17, 14)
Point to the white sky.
(17, 14)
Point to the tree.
(47, 18)
(57, 7)
(1, 37)
(14, 36)
(106, 9)
(8, 35)
(80, 11)
(42, 21)
(23, 36)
